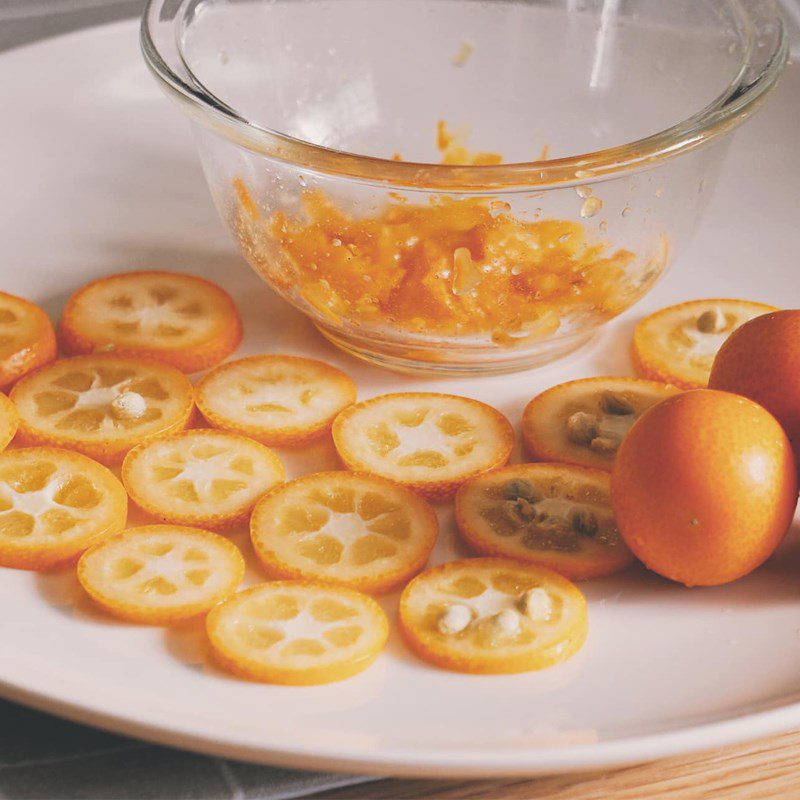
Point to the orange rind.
(555, 515)
(351, 529)
(678, 344)
(161, 574)
(183, 320)
(101, 405)
(276, 400)
(297, 633)
(429, 442)
(27, 339)
(492, 616)
(211, 479)
(54, 504)
(9, 421)
(583, 422)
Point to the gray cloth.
(44, 758)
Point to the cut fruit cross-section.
(200, 477)
(297, 632)
(492, 615)
(53, 505)
(102, 405)
(678, 344)
(27, 339)
(277, 400)
(183, 320)
(343, 527)
(555, 515)
(161, 574)
(429, 442)
(584, 421)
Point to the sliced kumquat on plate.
(428, 442)
(352, 529)
(678, 344)
(200, 477)
(555, 515)
(161, 574)
(184, 320)
(584, 421)
(297, 633)
(9, 420)
(492, 615)
(53, 505)
(277, 400)
(102, 405)
(27, 338)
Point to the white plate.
(99, 174)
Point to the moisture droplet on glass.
(302, 181)
(583, 173)
(604, 227)
(583, 192)
(564, 237)
(591, 205)
(336, 242)
(466, 275)
(498, 207)
(626, 211)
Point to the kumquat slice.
(200, 477)
(53, 505)
(186, 321)
(678, 344)
(343, 527)
(27, 338)
(277, 400)
(583, 422)
(556, 515)
(161, 574)
(428, 442)
(297, 633)
(101, 405)
(492, 615)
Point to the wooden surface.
(769, 768)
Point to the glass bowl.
(457, 185)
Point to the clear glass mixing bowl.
(463, 185)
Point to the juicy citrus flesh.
(488, 587)
(277, 400)
(429, 442)
(161, 574)
(670, 345)
(183, 320)
(555, 515)
(761, 360)
(704, 487)
(54, 504)
(69, 404)
(346, 528)
(605, 409)
(200, 477)
(297, 632)
(9, 421)
(27, 339)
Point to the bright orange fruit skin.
(704, 487)
(761, 360)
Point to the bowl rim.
(757, 76)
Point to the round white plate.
(99, 174)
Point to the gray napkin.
(45, 758)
